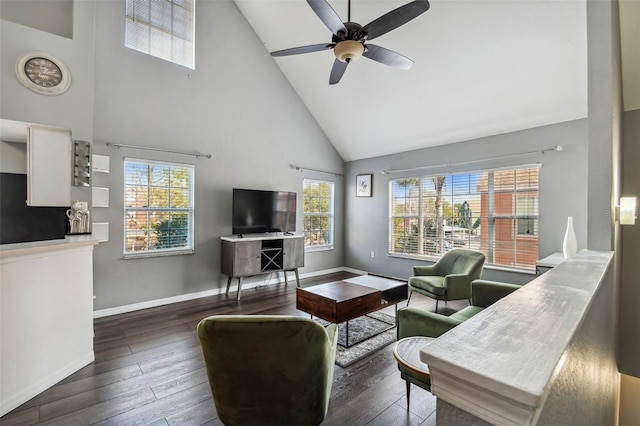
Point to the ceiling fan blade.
(387, 57)
(327, 15)
(395, 18)
(337, 71)
(302, 49)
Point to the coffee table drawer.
(350, 309)
(337, 311)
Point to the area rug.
(360, 328)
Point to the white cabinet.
(49, 166)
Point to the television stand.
(249, 255)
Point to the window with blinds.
(317, 213)
(158, 208)
(495, 212)
(162, 28)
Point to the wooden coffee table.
(393, 290)
(341, 301)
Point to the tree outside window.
(158, 208)
(495, 212)
(318, 213)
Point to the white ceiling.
(482, 67)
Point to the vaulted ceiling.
(482, 67)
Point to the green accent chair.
(449, 278)
(269, 369)
(418, 322)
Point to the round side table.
(407, 352)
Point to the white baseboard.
(23, 395)
(184, 297)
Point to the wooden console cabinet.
(255, 255)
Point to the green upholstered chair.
(269, 369)
(418, 322)
(449, 278)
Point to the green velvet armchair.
(418, 322)
(449, 278)
(269, 369)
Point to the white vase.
(569, 244)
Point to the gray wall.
(236, 105)
(13, 157)
(630, 235)
(604, 111)
(563, 191)
(72, 110)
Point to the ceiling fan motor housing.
(349, 46)
(348, 50)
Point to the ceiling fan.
(349, 38)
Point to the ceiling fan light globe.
(348, 50)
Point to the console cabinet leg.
(297, 277)
(228, 284)
(239, 287)
(286, 283)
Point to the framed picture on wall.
(363, 185)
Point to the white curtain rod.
(555, 148)
(301, 169)
(119, 145)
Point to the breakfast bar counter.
(46, 315)
(536, 356)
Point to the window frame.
(174, 36)
(329, 214)
(189, 248)
(414, 217)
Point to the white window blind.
(158, 208)
(495, 212)
(162, 28)
(317, 213)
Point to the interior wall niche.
(52, 16)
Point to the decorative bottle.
(569, 245)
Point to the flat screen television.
(257, 211)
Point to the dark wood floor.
(149, 370)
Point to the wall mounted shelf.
(100, 163)
(100, 196)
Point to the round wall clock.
(43, 73)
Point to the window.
(495, 212)
(158, 208)
(162, 28)
(317, 213)
(527, 213)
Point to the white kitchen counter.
(17, 249)
(46, 315)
